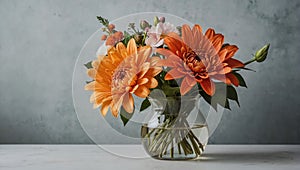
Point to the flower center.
(194, 64)
(120, 74)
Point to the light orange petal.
(153, 71)
(166, 63)
(191, 80)
(164, 52)
(144, 69)
(152, 83)
(186, 86)
(104, 108)
(154, 60)
(114, 110)
(142, 91)
(128, 103)
(131, 47)
(90, 86)
(187, 35)
(173, 74)
(197, 34)
(222, 54)
(143, 55)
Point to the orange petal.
(173, 44)
(173, 74)
(233, 79)
(187, 35)
(131, 47)
(233, 63)
(128, 103)
(164, 52)
(210, 33)
(208, 86)
(222, 53)
(143, 55)
(197, 29)
(121, 47)
(142, 81)
(166, 63)
(154, 60)
(152, 83)
(114, 110)
(90, 86)
(173, 35)
(105, 107)
(186, 85)
(91, 73)
(197, 34)
(218, 41)
(231, 50)
(191, 80)
(144, 69)
(153, 71)
(142, 91)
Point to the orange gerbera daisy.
(199, 58)
(121, 73)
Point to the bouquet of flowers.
(181, 62)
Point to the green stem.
(250, 61)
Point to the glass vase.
(177, 131)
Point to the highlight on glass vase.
(168, 79)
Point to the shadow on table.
(261, 157)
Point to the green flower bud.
(156, 20)
(144, 24)
(262, 53)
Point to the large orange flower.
(121, 73)
(199, 58)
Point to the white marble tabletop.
(92, 157)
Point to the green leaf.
(88, 65)
(125, 116)
(103, 21)
(87, 82)
(145, 104)
(232, 94)
(219, 98)
(127, 37)
(241, 79)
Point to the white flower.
(155, 33)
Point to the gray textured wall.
(40, 40)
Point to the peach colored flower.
(122, 72)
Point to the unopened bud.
(103, 37)
(156, 20)
(162, 19)
(262, 53)
(111, 27)
(144, 24)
